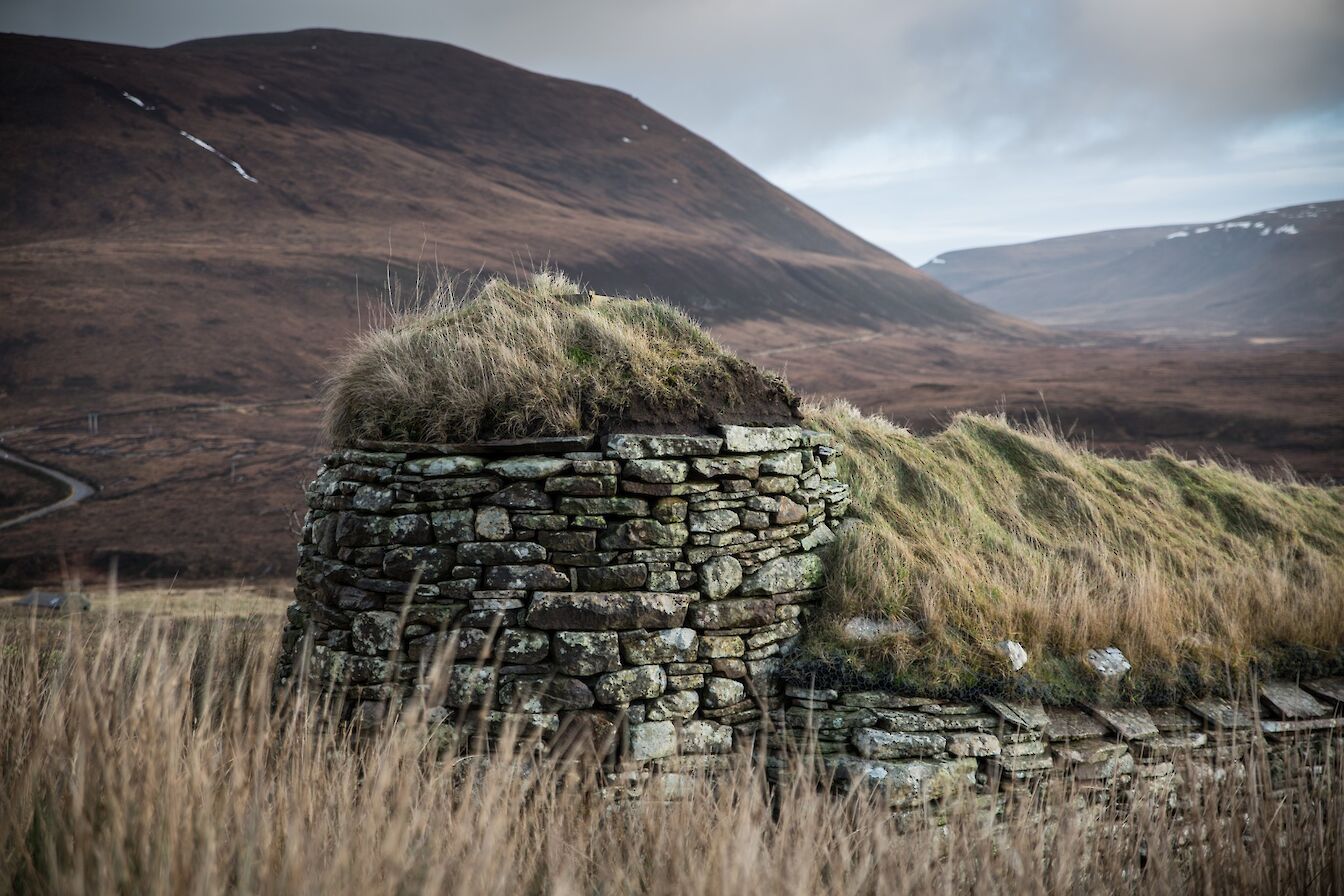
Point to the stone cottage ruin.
(639, 594)
(646, 584)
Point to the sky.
(922, 125)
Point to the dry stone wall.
(642, 589)
(914, 751)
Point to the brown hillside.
(364, 150)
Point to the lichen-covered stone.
(530, 467)
(540, 577)
(459, 645)
(375, 631)
(552, 694)
(492, 553)
(820, 536)
(671, 645)
(701, 736)
(664, 580)
(652, 740)
(973, 745)
(626, 685)
(621, 506)
(616, 577)
(638, 446)
(525, 646)
(466, 685)
(756, 439)
(644, 533)
(430, 562)
(452, 465)
(608, 611)
(652, 470)
(720, 576)
(372, 498)
(492, 524)
(675, 706)
(1109, 663)
(874, 743)
(716, 646)
(783, 463)
(586, 652)
(794, 572)
(583, 486)
(788, 511)
(521, 496)
(670, 510)
(735, 613)
(713, 521)
(739, 467)
(360, 530)
(721, 692)
(453, 526)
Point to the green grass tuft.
(538, 359)
(1199, 573)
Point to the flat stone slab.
(1331, 689)
(540, 445)
(1072, 724)
(1020, 767)
(1167, 745)
(1086, 752)
(638, 446)
(1131, 723)
(1220, 713)
(1291, 702)
(1295, 725)
(600, 611)
(755, 439)
(1021, 715)
(1173, 718)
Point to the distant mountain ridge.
(1275, 272)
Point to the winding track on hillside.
(78, 489)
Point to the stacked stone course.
(645, 587)
(914, 751)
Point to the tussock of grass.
(522, 360)
(985, 531)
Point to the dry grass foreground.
(528, 360)
(145, 757)
(1199, 573)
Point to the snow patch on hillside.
(206, 146)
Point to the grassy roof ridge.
(989, 531)
(537, 358)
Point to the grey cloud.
(861, 105)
